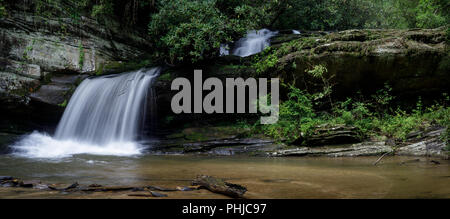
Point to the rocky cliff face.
(42, 60)
(413, 62)
(34, 48)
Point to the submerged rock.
(2, 178)
(220, 186)
(29, 183)
(157, 194)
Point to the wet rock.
(52, 94)
(331, 135)
(361, 149)
(6, 178)
(157, 188)
(8, 184)
(435, 162)
(11, 182)
(184, 189)
(220, 140)
(188, 188)
(208, 145)
(157, 194)
(41, 186)
(146, 195)
(73, 186)
(29, 183)
(107, 188)
(424, 143)
(410, 161)
(32, 48)
(138, 189)
(220, 186)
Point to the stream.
(307, 177)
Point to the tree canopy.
(190, 31)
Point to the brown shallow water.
(264, 177)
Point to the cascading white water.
(103, 116)
(106, 109)
(254, 42)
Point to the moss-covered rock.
(34, 47)
(414, 62)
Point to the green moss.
(175, 135)
(63, 104)
(165, 77)
(82, 54)
(28, 49)
(196, 137)
(270, 58)
(20, 92)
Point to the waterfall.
(107, 109)
(104, 116)
(254, 42)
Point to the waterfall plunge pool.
(305, 177)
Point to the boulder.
(331, 135)
(424, 143)
(414, 62)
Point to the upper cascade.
(254, 42)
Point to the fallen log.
(220, 186)
(379, 159)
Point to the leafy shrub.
(2, 9)
(189, 31)
(371, 117)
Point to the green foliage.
(269, 58)
(2, 9)
(102, 9)
(82, 54)
(372, 117)
(296, 117)
(410, 14)
(165, 77)
(27, 50)
(63, 104)
(432, 13)
(319, 72)
(129, 12)
(189, 31)
(265, 60)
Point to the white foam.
(41, 145)
(254, 42)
